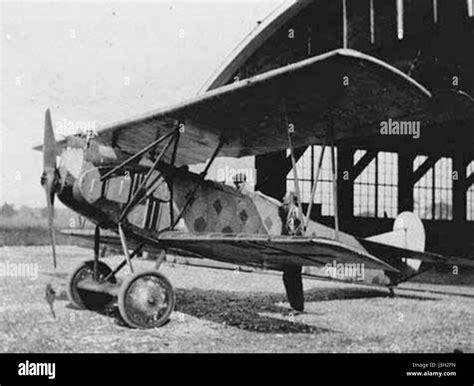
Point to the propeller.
(49, 178)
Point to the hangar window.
(306, 170)
(470, 194)
(432, 193)
(324, 190)
(387, 184)
(375, 188)
(364, 188)
(423, 191)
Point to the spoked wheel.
(84, 299)
(146, 300)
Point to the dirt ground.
(225, 311)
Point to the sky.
(95, 62)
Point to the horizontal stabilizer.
(407, 242)
(408, 234)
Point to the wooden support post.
(405, 181)
(345, 183)
(460, 163)
(334, 192)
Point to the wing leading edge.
(343, 89)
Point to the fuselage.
(213, 207)
(175, 198)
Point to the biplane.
(132, 180)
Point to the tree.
(7, 210)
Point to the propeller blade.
(48, 179)
(50, 202)
(49, 144)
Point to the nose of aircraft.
(50, 176)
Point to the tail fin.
(408, 233)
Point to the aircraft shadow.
(327, 294)
(241, 310)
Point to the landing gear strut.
(391, 292)
(294, 287)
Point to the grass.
(29, 226)
(221, 311)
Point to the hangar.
(382, 82)
(430, 171)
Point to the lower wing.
(274, 252)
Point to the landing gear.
(90, 300)
(391, 292)
(146, 300)
(294, 287)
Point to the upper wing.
(391, 252)
(343, 89)
(269, 251)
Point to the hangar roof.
(425, 46)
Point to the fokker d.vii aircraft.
(132, 179)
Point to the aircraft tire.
(146, 300)
(87, 300)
